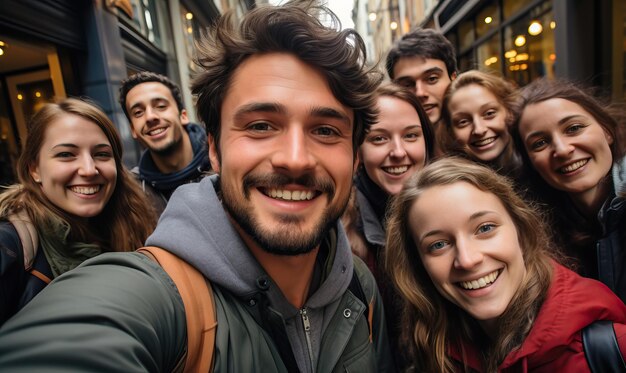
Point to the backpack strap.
(601, 349)
(197, 296)
(28, 236)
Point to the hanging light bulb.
(535, 28)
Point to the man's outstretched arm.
(116, 312)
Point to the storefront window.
(488, 55)
(466, 35)
(529, 51)
(190, 30)
(487, 19)
(510, 7)
(467, 61)
(145, 19)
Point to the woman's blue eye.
(486, 228)
(437, 245)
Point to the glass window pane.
(467, 62)
(488, 55)
(466, 35)
(510, 7)
(487, 20)
(529, 48)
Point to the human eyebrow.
(432, 70)
(259, 107)
(428, 234)
(480, 214)
(569, 118)
(64, 145)
(328, 112)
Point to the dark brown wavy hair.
(126, 220)
(292, 28)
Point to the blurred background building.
(61, 48)
(583, 40)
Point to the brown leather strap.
(40, 276)
(197, 296)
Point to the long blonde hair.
(433, 323)
(126, 220)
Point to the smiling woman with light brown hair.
(74, 200)
(482, 293)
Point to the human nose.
(397, 148)
(420, 90)
(87, 167)
(151, 115)
(479, 127)
(467, 256)
(561, 148)
(294, 156)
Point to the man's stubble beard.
(287, 239)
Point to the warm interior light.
(521, 57)
(510, 53)
(372, 16)
(2, 43)
(552, 57)
(512, 59)
(1, 51)
(552, 25)
(20, 97)
(393, 25)
(491, 60)
(520, 40)
(523, 66)
(37, 94)
(535, 28)
(190, 30)
(189, 16)
(488, 20)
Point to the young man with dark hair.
(286, 102)
(424, 61)
(176, 150)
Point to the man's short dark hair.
(145, 77)
(422, 42)
(291, 28)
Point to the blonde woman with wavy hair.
(482, 293)
(74, 200)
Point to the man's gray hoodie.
(195, 227)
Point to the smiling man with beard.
(176, 151)
(287, 102)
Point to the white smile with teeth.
(573, 167)
(291, 195)
(484, 141)
(481, 282)
(87, 190)
(396, 170)
(156, 131)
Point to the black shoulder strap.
(601, 348)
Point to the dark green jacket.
(91, 320)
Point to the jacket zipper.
(307, 331)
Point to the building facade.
(59, 48)
(581, 40)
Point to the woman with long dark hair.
(573, 146)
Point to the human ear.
(213, 156)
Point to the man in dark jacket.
(286, 101)
(176, 150)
